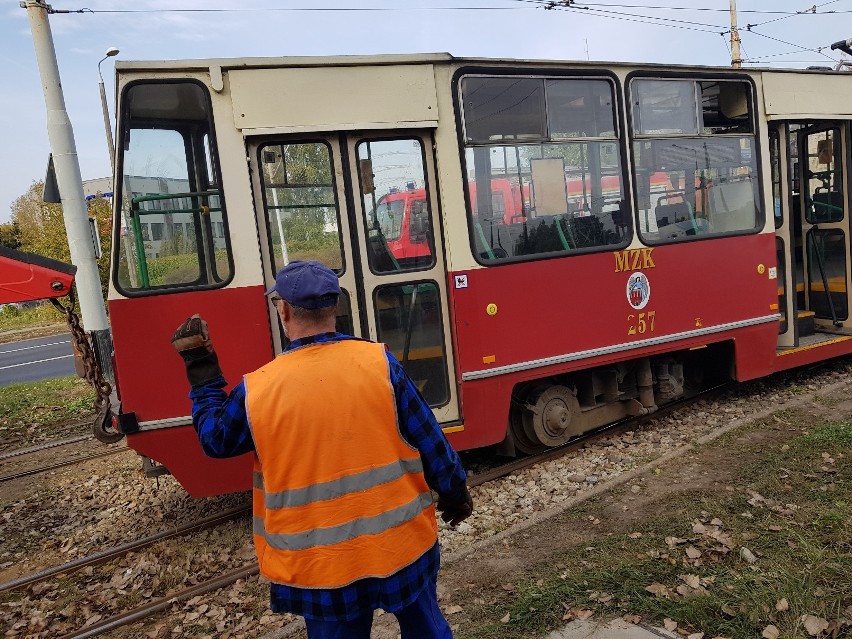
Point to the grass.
(36, 411)
(14, 319)
(793, 511)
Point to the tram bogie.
(550, 412)
(546, 246)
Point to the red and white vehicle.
(546, 246)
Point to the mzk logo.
(633, 260)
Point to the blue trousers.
(422, 619)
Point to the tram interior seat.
(678, 220)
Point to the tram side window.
(695, 158)
(300, 203)
(543, 166)
(171, 205)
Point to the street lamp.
(112, 51)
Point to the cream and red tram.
(546, 246)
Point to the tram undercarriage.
(550, 411)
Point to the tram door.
(809, 184)
(365, 205)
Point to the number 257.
(642, 323)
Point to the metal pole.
(736, 57)
(107, 125)
(74, 211)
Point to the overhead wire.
(809, 11)
(556, 5)
(708, 9)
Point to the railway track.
(251, 569)
(118, 551)
(20, 452)
(61, 464)
(84, 425)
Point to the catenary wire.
(809, 11)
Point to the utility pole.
(67, 166)
(736, 57)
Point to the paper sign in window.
(548, 177)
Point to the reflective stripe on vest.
(339, 487)
(339, 495)
(345, 532)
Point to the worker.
(346, 452)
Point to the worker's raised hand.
(192, 342)
(455, 512)
(193, 333)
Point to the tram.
(546, 246)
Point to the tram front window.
(172, 227)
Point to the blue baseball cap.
(308, 285)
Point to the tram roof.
(419, 58)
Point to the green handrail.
(481, 233)
(562, 237)
(136, 213)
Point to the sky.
(783, 33)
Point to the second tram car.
(546, 246)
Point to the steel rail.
(46, 446)
(118, 551)
(146, 610)
(69, 462)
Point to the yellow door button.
(761, 269)
(491, 309)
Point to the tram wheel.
(545, 419)
(549, 423)
(523, 442)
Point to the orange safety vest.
(339, 495)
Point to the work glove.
(192, 342)
(455, 512)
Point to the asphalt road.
(32, 360)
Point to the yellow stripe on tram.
(812, 346)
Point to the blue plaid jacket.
(222, 426)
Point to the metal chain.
(80, 340)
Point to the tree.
(10, 235)
(41, 228)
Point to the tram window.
(560, 194)
(781, 261)
(695, 159)
(665, 107)
(302, 216)
(409, 321)
(823, 177)
(395, 200)
(827, 273)
(775, 168)
(169, 173)
(504, 108)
